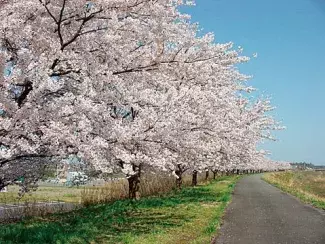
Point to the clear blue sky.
(289, 37)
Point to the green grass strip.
(191, 215)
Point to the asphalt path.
(262, 214)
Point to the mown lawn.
(191, 215)
(309, 186)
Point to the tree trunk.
(206, 174)
(134, 182)
(2, 185)
(214, 174)
(194, 178)
(179, 180)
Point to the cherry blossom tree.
(122, 84)
(47, 43)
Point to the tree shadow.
(111, 221)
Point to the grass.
(191, 215)
(151, 184)
(43, 194)
(309, 186)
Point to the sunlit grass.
(309, 186)
(191, 215)
(43, 193)
(151, 184)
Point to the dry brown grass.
(151, 184)
(16, 212)
(43, 194)
(111, 191)
(307, 185)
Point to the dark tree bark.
(194, 178)
(134, 182)
(179, 182)
(207, 174)
(179, 172)
(2, 185)
(214, 174)
(23, 97)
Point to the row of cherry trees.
(122, 84)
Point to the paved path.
(262, 214)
